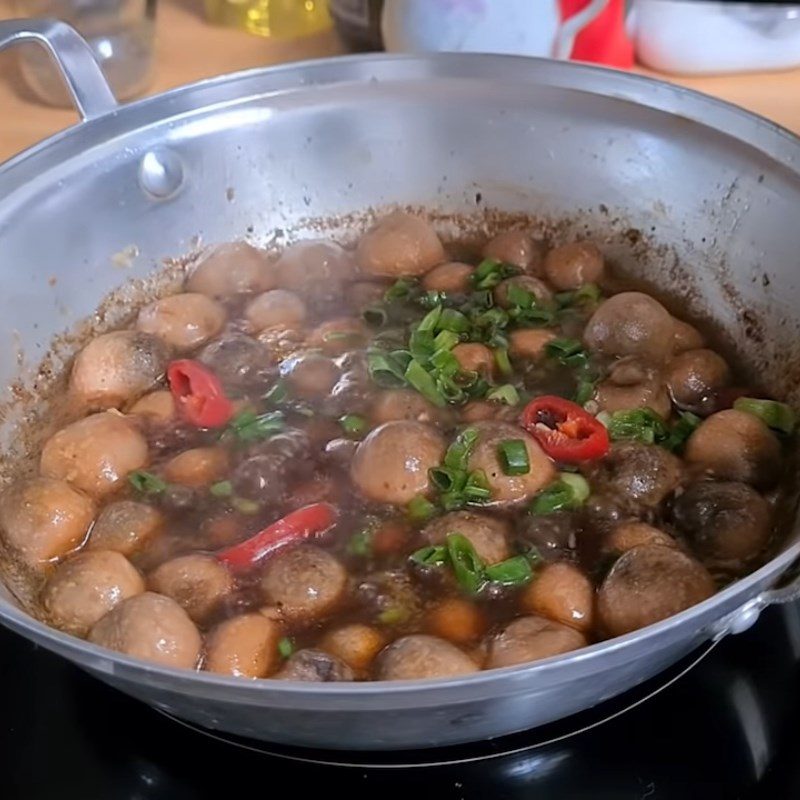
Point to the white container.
(702, 38)
(515, 27)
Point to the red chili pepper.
(565, 431)
(309, 521)
(198, 394)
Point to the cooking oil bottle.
(282, 19)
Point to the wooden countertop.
(188, 49)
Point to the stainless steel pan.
(713, 191)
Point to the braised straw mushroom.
(152, 627)
(452, 276)
(647, 584)
(246, 645)
(117, 368)
(530, 639)
(516, 248)
(95, 454)
(487, 534)
(275, 307)
(44, 519)
(391, 465)
(197, 582)
(125, 526)
(230, 269)
(402, 404)
(83, 589)
(315, 666)
(538, 289)
(573, 265)
(305, 582)
(736, 446)
(694, 377)
(631, 324)
(562, 593)
(183, 321)
(422, 656)
(509, 489)
(399, 244)
(728, 524)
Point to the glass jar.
(281, 19)
(120, 32)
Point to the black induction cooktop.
(722, 724)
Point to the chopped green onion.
(507, 394)
(385, 370)
(445, 340)
(353, 424)
(431, 556)
(772, 413)
(477, 489)
(517, 296)
(569, 352)
(589, 292)
(251, 427)
(457, 455)
(420, 509)
(375, 316)
(638, 425)
(513, 457)
(431, 299)
(578, 484)
(682, 430)
(467, 564)
(445, 362)
(490, 272)
(452, 320)
(443, 479)
(393, 616)
(429, 321)
(277, 394)
(245, 506)
(423, 382)
(569, 492)
(514, 571)
(584, 392)
(360, 543)
(221, 489)
(401, 289)
(146, 482)
(502, 361)
(285, 647)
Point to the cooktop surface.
(724, 723)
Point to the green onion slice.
(467, 565)
(285, 647)
(146, 482)
(420, 509)
(514, 571)
(418, 377)
(772, 413)
(502, 361)
(432, 556)
(353, 424)
(570, 491)
(221, 489)
(507, 393)
(513, 457)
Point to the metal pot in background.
(697, 196)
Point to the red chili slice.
(198, 394)
(304, 523)
(565, 431)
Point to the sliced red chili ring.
(198, 394)
(564, 430)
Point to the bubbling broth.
(381, 463)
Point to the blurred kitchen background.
(748, 53)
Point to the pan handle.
(73, 57)
(745, 616)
